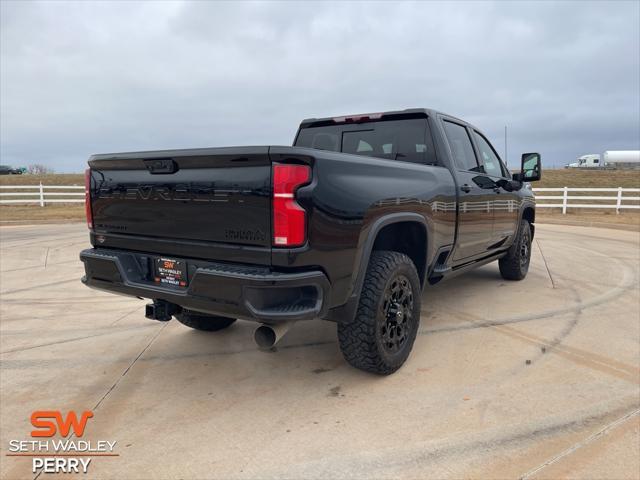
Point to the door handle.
(465, 188)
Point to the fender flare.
(523, 207)
(347, 311)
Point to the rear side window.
(461, 148)
(322, 140)
(406, 140)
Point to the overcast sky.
(88, 77)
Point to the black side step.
(440, 269)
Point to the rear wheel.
(381, 336)
(202, 321)
(515, 264)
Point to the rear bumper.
(232, 290)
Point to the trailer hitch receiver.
(161, 310)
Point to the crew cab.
(347, 225)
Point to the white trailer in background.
(587, 161)
(622, 158)
(609, 159)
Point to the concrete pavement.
(532, 379)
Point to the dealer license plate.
(171, 272)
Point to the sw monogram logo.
(49, 422)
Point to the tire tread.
(509, 265)
(358, 338)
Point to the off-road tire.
(202, 321)
(362, 341)
(515, 264)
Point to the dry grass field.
(628, 219)
(550, 179)
(49, 179)
(589, 178)
(24, 214)
(27, 214)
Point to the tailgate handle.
(161, 166)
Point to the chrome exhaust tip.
(266, 336)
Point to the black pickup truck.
(348, 225)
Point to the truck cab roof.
(364, 117)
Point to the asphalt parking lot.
(533, 379)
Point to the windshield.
(407, 140)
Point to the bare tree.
(39, 169)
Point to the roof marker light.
(363, 117)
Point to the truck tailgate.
(219, 195)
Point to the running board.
(449, 272)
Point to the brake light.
(87, 197)
(358, 118)
(289, 218)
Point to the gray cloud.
(85, 77)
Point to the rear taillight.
(87, 197)
(289, 218)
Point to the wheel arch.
(346, 312)
(408, 237)
(403, 232)
(529, 214)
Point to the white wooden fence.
(42, 194)
(564, 198)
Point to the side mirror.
(531, 168)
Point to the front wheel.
(515, 264)
(380, 337)
(202, 321)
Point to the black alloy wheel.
(397, 312)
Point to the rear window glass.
(407, 140)
(461, 147)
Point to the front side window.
(488, 157)
(461, 148)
